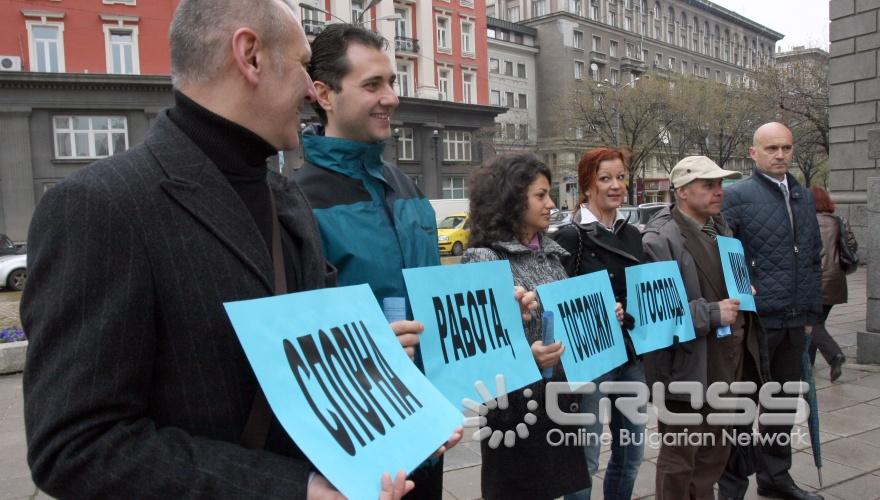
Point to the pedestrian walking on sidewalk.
(834, 289)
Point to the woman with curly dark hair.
(598, 238)
(509, 212)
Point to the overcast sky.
(803, 22)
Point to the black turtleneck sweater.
(240, 155)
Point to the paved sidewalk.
(849, 415)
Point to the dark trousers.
(687, 471)
(786, 347)
(823, 341)
(429, 481)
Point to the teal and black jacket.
(374, 221)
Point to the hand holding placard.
(336, 378)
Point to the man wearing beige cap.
(727, 345)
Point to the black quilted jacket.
(786, 263)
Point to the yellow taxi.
(452, 236)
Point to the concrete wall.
(854, 98)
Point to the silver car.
(13, 272)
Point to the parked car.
(558, 218)
(647, 210)
(7, 247)
(452, 235)
(629, 212)
(13, 272)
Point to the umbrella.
(813, 422)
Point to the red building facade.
(86, 36)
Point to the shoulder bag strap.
(256, 429)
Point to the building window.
(612, 18)
(467, 38)
(357, 9)
(522, 101)
(494, 65)
(578, 70)
(405, 144)
(524, 132)
(508, 99)
(595, 74)
(612, 48)
(717, 76)
(615, 77)
(495, 97)
(578, 41)
(454, 187)
(513, 14)
(508, 68)
(630, 50)
(417, 179)
(456, 145)
(684, 67)
(89, 137)
(511, 131)
(628, 23)
(46, 46)
(658, 59)
(467, 88)
(574, 6)
(444, 77)
(520, 70)
(443, 33)
(670, 63)
(122, 50)
(644, 56)
(539, 8)
(594, 10)
(404, 80)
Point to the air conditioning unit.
(10, 63)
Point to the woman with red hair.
(833, 280)
(599, 238)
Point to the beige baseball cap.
(698, 167)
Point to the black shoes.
(836, 365)
(788, 491)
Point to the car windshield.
(5, 242)
(451, 222)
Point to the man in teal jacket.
(374, 221)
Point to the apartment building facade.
(84, 79)
(617, 41)
(513, 51)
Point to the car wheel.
(457, 249)
(17, 279)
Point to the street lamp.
(616, 89)
(396, 135)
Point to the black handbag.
(849, 247)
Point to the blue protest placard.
(341, 385)
(656, 298)
(583, 309)
(736, 272)
(473, 328)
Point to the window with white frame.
(357, 8)
(495, 97)
(612, 48)
(444, 84)
(520, 70)
(456, 145)
(405, 144)
(597, 43)
(574, 6)
(513, 14)
(524, 131)
(443, 33)
(628, 23)
(630, 50)
(494, 65)
(454, 187)
(467, 38)
(578, 70)
(595, 74)
(46, 44)
(615, 77)
(594, 10)
(404, 82)
(578, 40)
(88, 137)
(508, 99)
(522, 102)
(539, 8)
(508, 68)
(400, 25)
(468, 87)
(119, 2)
(123, 56)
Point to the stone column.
(869, 341)
(17, 193)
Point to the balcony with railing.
(632, 65)
(598, 57)
(404, 44)
(312, 26)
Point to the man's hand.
(729, 309)
(808, 329)
(450, 443)
(618, 311)
(321, 489)
(528, 302)
(408, 335)
(395, 490)
(547, 356)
